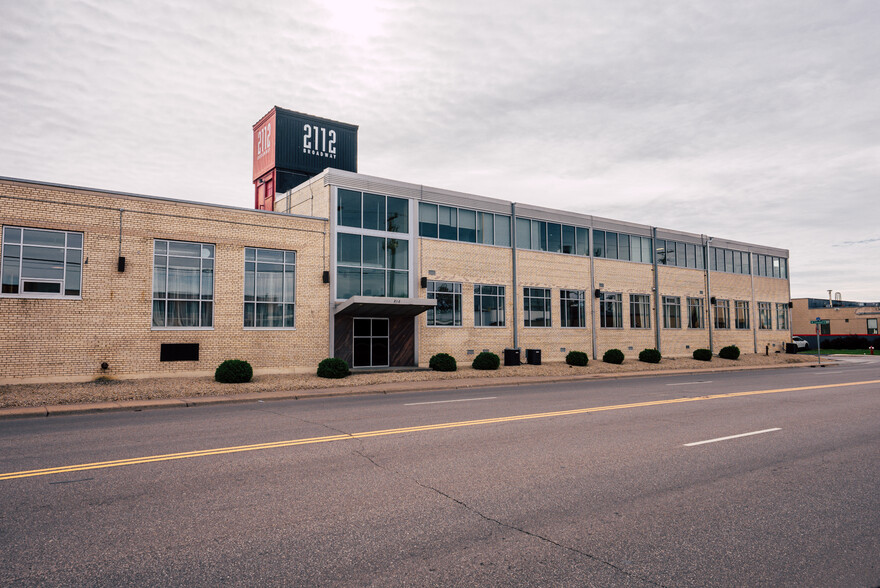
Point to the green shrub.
(234, 371)
(576, 358)
(613, 356)
(442, 362)
(486, 361)
(649, 356)
(333, 367)
(729, 352)
(702, 355)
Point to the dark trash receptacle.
(511, 357)
(533, 356)
(791, 348)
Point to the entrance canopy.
(367, 306)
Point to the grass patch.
(838, 352)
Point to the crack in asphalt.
(487, 518)
(308, 422)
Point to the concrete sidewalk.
(384, 388)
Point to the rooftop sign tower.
(291, 147)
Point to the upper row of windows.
(470, 226)
(364, 210)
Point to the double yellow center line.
(399, 431)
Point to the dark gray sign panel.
(309, 144)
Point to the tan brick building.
(845, 317)
(107, 315)
(375, 271)
(506, 275)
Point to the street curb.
(387, 388)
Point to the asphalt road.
(487, 486)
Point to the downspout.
(416, 267)
(656, 291)
(754, 304)
(706, 242)
(513, 257)
(332, 269)
(592, 288)
(121, 210)
(788, 307)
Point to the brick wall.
(479, 264)
(68, 339)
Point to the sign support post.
(819, 321)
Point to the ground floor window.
(872, 326)
(536, 302)
(671, 312)
(611, 310)
(722, 314)
(765, 321)
(639, 311)
(742, 314)
(782, 316)
(41, 263)
(183, 284)
(447, 313)
(695, 313)
(269, 288)
(488, 306)
(572, 313)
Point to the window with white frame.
(639, 311)
(742, 314)
(782, 317)
(872, 326)
(41, 263)
(695, 313)
(488, 305)
(765, 319)
(611, 310)
(269, 288)
(572, 313)
(447, 313)
(183, 284)
(722, 314)
(671, 312)
(536, 303)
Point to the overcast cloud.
(752, 120)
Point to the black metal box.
(512, 357)
(533, 356)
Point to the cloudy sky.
(751, 120)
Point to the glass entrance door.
(370, 342)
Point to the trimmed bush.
(234, 371)
(576, 358)
(729, 352)
(613, 356)
(333, 367)
(649, 356)
(486, 361)
(442, 362)
(702, 355)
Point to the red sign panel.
(264, 145)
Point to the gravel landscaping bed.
(20, 395)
